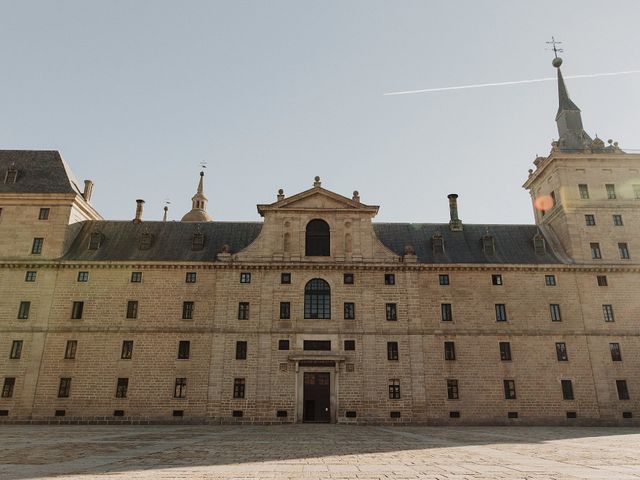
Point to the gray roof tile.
(39, 171)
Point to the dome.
(196, 215)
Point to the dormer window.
(95, 241)
(539, 244)
(12, 174)
(437, 243)
(146, 240)
(488, 245)
(317, 239)
(197, 241)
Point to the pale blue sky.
(271, 93)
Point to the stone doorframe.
(317, 363)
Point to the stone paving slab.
(323, 452)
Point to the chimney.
(139, 207)
(88, 190)
(166, 210)
(455, 224)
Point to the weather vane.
(553, 44)
(203, 164)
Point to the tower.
(198, 212)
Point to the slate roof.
(513, 243)
(39, 171)
(172, 241)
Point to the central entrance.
(317, 397)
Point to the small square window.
(392, 351)
(584, 191)
(595, 251)
(136, 277)
(617, 221)
(512, 414)
(118, 413)
(245, 277)
(70, 350)
(132, 309)
(452, 389)
(23, 310)
(602, 280)
(349, 311)
(550, 280)
(184, 347)
(392, 311)
(16, 350)
(389, 279)
(243, 311)
(8, 387)
(30, 276)
(623, 249)
(616, 354)
(449, 351)
(561, 352)
(509, 389)
(238, 387)
(349, 345)
(191, 277)
(187, 310)
(446, 314)
(44, 214)
(611, 191)
(285, 278)
(348, 278)
(394, 390)
(36, 248)
(443, 279)
(241, 350)
(83, 277)
(285, 310)
(590, 220)
(127, 350)
(283, 344)
(496, 279)
(76, 310)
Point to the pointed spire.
(569, 120)
(564, 102)
(198, 211)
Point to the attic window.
(11, 175)
(437, 243)
(146, 239)
(539, 245)
(95, 241)
(488, 245)
(197, 241)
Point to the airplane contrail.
(498, 84)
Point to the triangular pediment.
(317, 198)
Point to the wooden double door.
(317, 397)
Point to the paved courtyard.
(317, 452)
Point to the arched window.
(317, 299)
(318, 239)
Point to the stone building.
(318, 313)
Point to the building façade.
(319, 314)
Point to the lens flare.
(543, 203)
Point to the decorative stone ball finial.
(409, 250)
(356, 196)
(317, 182)
(280, 194)
(610, 141)
(557, 62)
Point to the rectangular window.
(70, 350)
(285, 310)
(36, 248)
(180, 388)
(392, 351)
(8, 386)
(392, 313)
(636, 192)
(602, 280)
(501, 312)
(191, 277)
(349, 345)
(136, 277)
(590, 220)
(283, 344)
(184, 347)
(443, 279)
(496, 279)
(623, 391)
(389, 279)
(321, 345)
(509, 389)
(595, 251)
(567, 389)
(584, 191)
(16, 350)
(394, 389)
(348, 278)
(23, 310)
(238, 388)
(95, 240)
(349, 311)
(132, 309)
(611, 191)
(623, 249)
(505, 351)
(44, 214)
(241, 350)
(285, 278)
(83, 277)
(446, 315)
(554, 310)
(64, 389)
(187, 310)
(121, 387)
(561, 352)
(617, 221)
(245, 277)
(127, 350)
(550, 280)
(76, 310)
(243, 311)
(616, 354)
(449, 351)
(452, 389)
(607, 313)
(30, 276)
